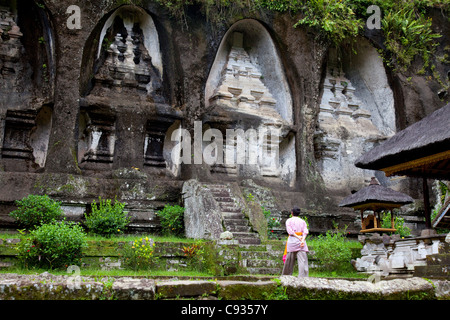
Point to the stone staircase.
(255, 257)
(437, 265)
(261, 259)
(233, 218)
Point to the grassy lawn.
(89, 271)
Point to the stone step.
(275, 271)
(439, 259)
(235, 222)
(220, 193)
(216, 186)
(233, 215)
(262, 255)
(433, 271)
(263, 263)
(245, 235)
(248, 241)
(224, 200)
(229, 208)
(236, 228)
(259, 247)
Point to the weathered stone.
(238, 290)
(134, 289)
(48, 287)
(202, 215)
(227, 235)
(320, 288)
(442, 289)
(182, 288)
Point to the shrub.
(272, 223)
(106, 218)
(194, 256)
(331, 251)
(399, 224)
(139, 255)
(172, 219)
(54, 245)
(35, 210)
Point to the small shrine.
(375, 198)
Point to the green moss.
(247, 291)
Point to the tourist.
(296, 246)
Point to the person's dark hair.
(296, 211)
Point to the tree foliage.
(405, 24)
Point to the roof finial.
(374, 181)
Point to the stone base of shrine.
(391, 256)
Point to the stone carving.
(241, 86)
(126, 61)
(98, 138)
(26, 135)
(344, 130)
(10, 45)
(154, 143)
(339, 98)
(17, 137)
(127, 81)
(389, 255)
(122, 65)
(241, 91)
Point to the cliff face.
(92, 103)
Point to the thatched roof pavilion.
(421, 150)
(376, 198)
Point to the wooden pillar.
(426, 203)
(392, 219)
(362, 218)
(375, 222)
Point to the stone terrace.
(46, 286)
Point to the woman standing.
(296, 246)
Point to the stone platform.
(46, 286)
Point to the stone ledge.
(185, 288)
(50, 287)
(320, 288)
(236, 290)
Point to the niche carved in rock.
(128, 58)
(247, 90)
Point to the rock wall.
(78, 105)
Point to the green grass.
(116, 238)
(352, 244)
(350, 274)
(90, 272)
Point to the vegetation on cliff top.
(406, 25)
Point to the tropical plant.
(35, 210)
(399, 224)
(331, 251)
(335, 19)
(139, 255)
(107, 218)
(58, 244)
(272, 223)
(172, 219)
(194, 256)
